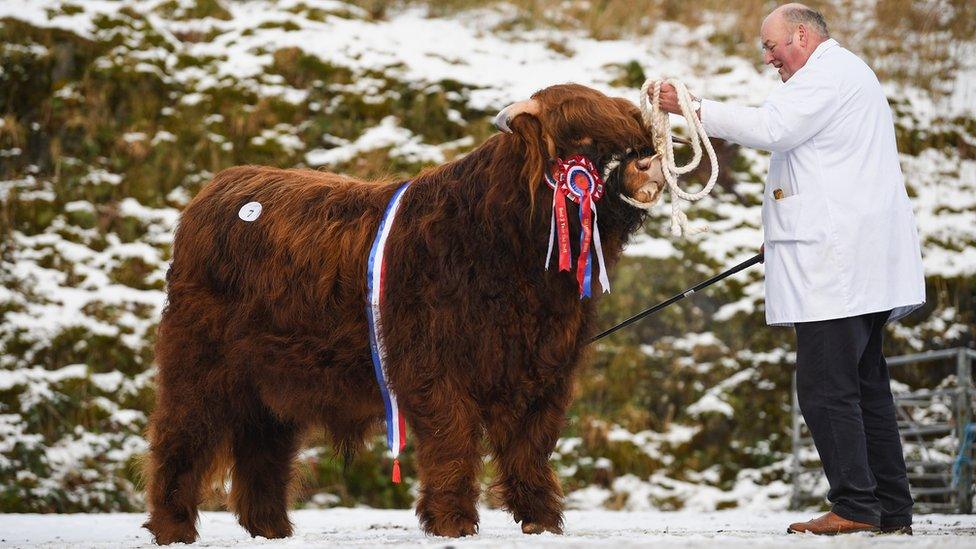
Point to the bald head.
(790, 34)
(795, 14)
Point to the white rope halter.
(660, 125)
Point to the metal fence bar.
(928, 464)
(927, 356)
(963, 418)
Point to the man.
(842, 256)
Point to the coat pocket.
(782, 219)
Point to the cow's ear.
(538, 147)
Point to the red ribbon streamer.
(562, 229)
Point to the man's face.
(781, 46)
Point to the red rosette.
(574, 165)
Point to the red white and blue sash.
(396, 427)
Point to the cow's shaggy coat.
(265, 334)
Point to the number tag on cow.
(250, 211)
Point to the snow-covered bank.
(373, 528)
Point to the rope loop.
(658, 121)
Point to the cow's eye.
(640, 152)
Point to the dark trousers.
(844, 393)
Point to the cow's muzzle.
(644, 181)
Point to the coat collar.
(818, 52)
(823, 47)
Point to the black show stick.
(758, 258)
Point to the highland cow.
(265, 331)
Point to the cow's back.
(300, 261)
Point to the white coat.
(842, 240)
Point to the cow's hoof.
(167, 532)
(273, 530)
(457, 530)
(536, 528)
(269, 525)
(450, 526)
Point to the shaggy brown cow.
(265, 332)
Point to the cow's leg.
(264, 449)
(448, 434)
(184, 437)
(522, 443)
(189, 425)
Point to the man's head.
(789, 35)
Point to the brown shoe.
(829, 525)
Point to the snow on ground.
(374, 528)
(501, 67)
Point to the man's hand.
(669, 99)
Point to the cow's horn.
(506, 115)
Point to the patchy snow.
(651, 442)
(375, 528)
(648, 246)
(500, 66)
(387, 134)
(712, 400)
(710, 403)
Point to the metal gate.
(940, 469)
